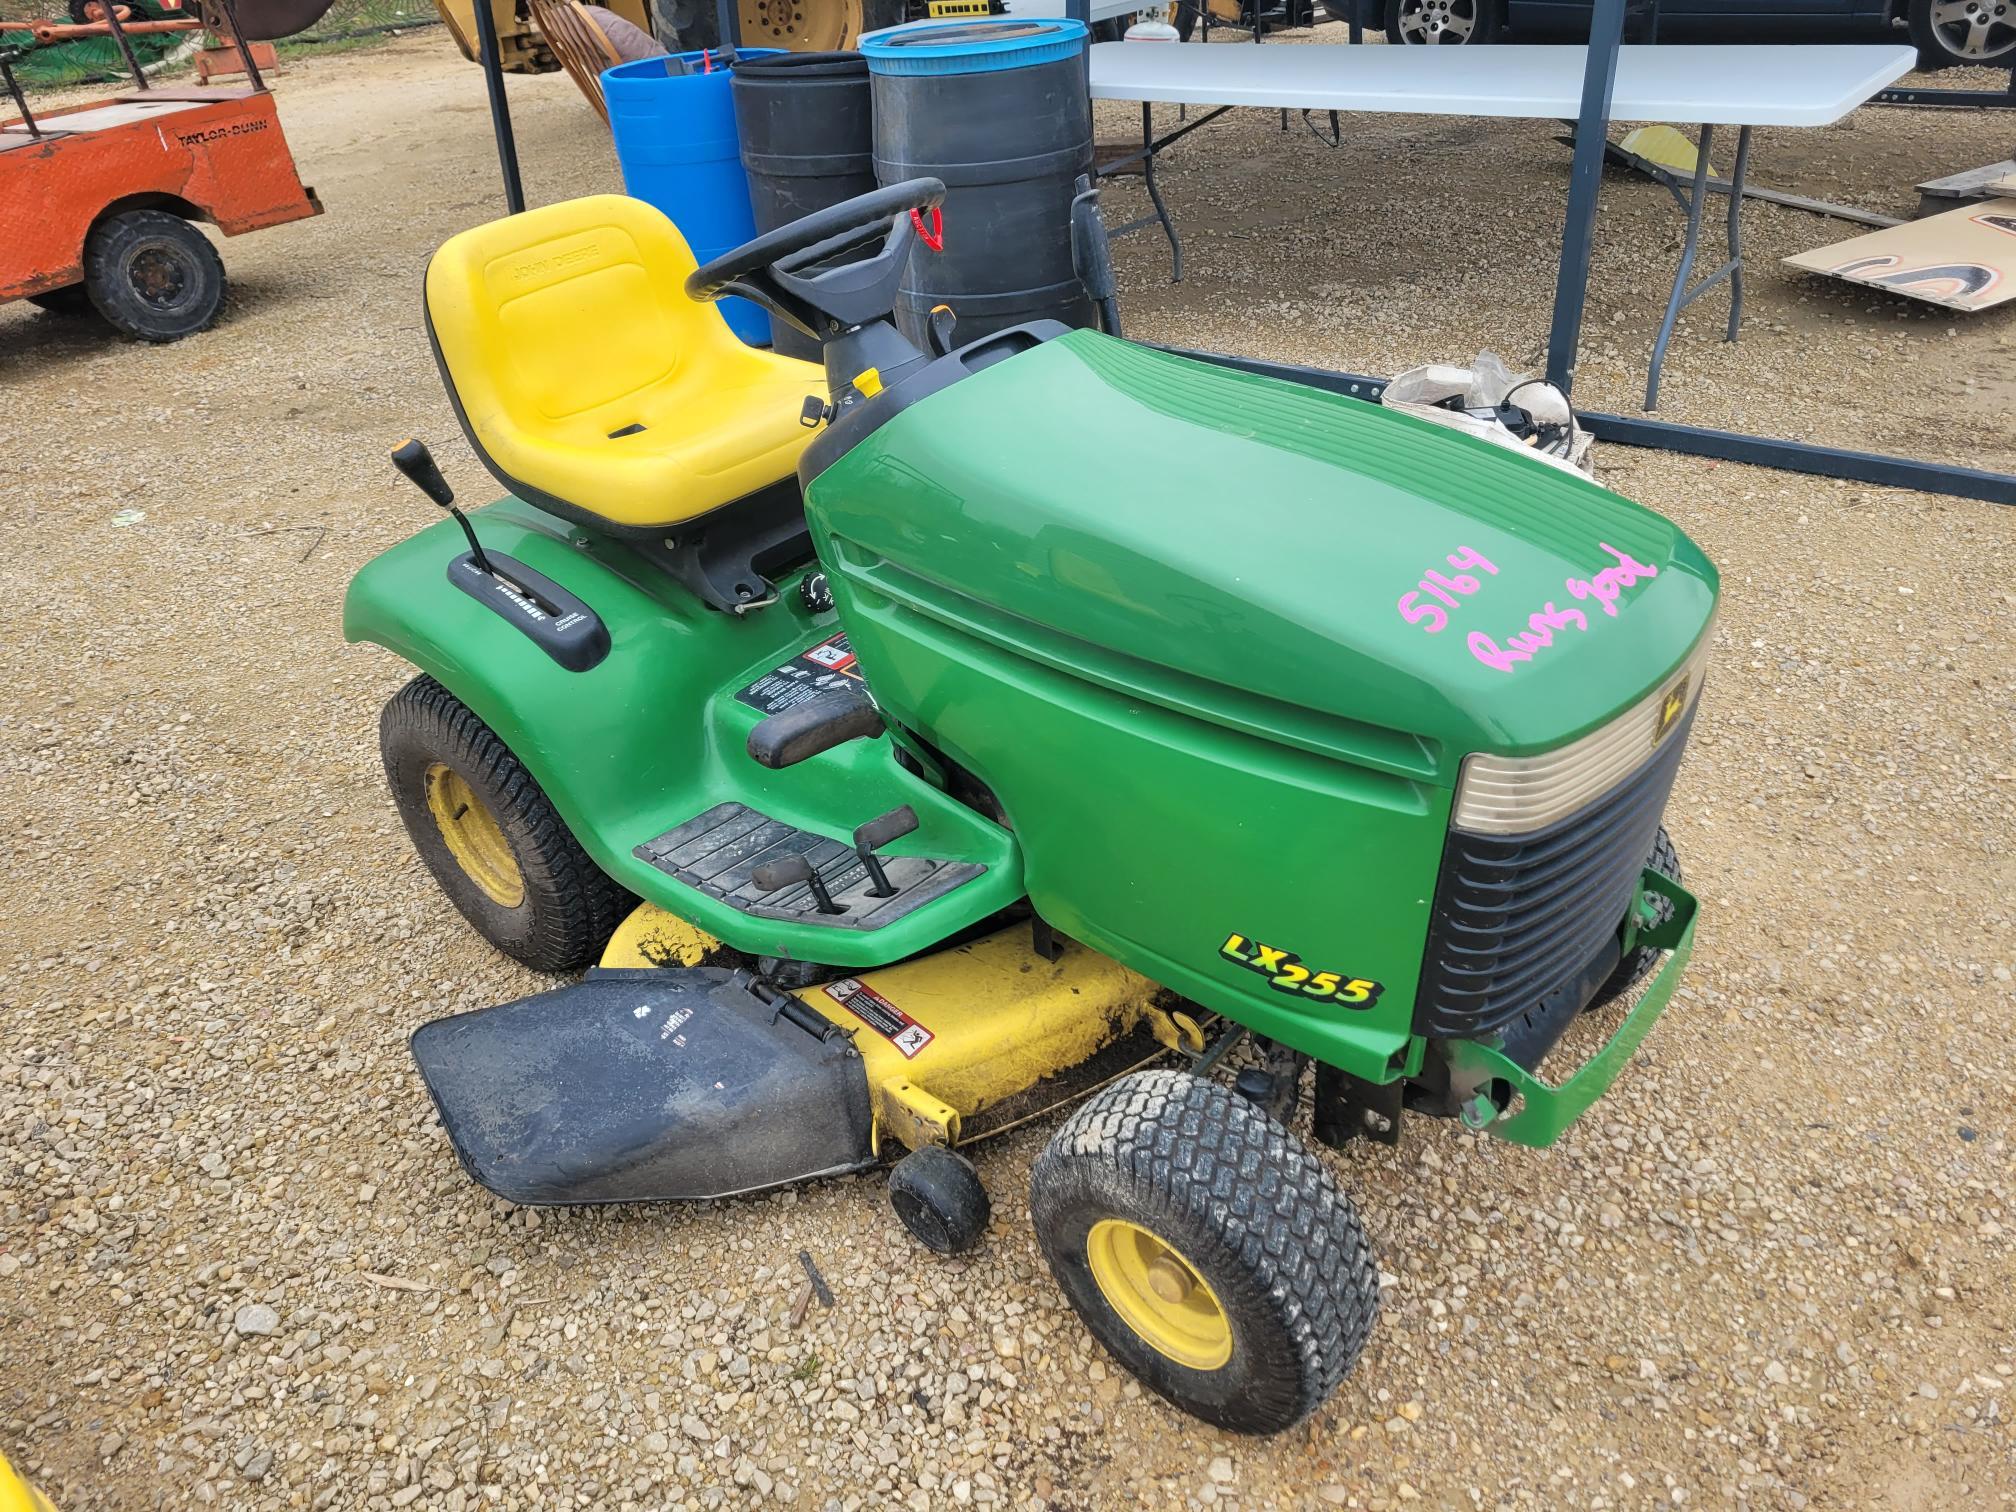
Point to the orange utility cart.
(99, 202)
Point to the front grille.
(1520, 916)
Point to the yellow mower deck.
(970, 1040)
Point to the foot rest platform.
(719, 850)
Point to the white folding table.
(1745, 87)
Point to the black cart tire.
(1444, 23)
(153, 275)
(939, 1198)
(1213, 1254)
(489, 835)
(70, 300)
(1962, 33)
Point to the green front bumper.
(1539, 1113)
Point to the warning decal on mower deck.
(824, 667)
(881, 1015)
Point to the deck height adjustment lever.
(788, 871)
(877, 833)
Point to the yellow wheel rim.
(473, 836)
(801, 25)
(1159, 1294)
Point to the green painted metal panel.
(1250, 540)
(1155, 606)
(654, 735)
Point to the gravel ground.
(239, 1267)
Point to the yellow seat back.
(591, 383)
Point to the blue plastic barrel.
(676, 143)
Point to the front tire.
(153, 275)
(1211, 1253)
(1444, 23)
(491, 838)
(1956, 33)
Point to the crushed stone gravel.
(239, 1266)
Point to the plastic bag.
(1487, 399)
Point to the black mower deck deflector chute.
(646, 1086)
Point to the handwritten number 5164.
(1415, 607)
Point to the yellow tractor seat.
(591, 385)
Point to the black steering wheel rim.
(846, 224)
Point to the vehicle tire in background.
(1955, 33)
(794, 25)
(1209, 1250)
(1443, 23)
(695, 24)
(153, 275)
(491, 838)
(71, 299)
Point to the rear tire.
(1962, 33)
(1211, 1253)
(1444, 23)
(491, 838)
(153, 275)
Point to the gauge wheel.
(1211, 1252)
(939, 1198)
(1443, 23)
(153, 275)
(491, 838)
(814, 25)
(1948, 33)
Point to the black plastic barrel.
(999, 110)
(807, 143)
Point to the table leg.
(1736, 230)
(1681, 295)
(1155, 192)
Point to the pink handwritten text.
(1605, 587)
(1439, 585)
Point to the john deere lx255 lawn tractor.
(926, 742)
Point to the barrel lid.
(980, 45)
(650, 73)
(760, 64)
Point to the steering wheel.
(782, 269)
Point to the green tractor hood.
(1293, 559)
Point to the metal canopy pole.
(126, 47)
(500, 108)
(1592, 132)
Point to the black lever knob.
(788, 871)
(877, 833)
(413, 459)
(942, 320)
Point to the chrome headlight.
(1515, 795)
